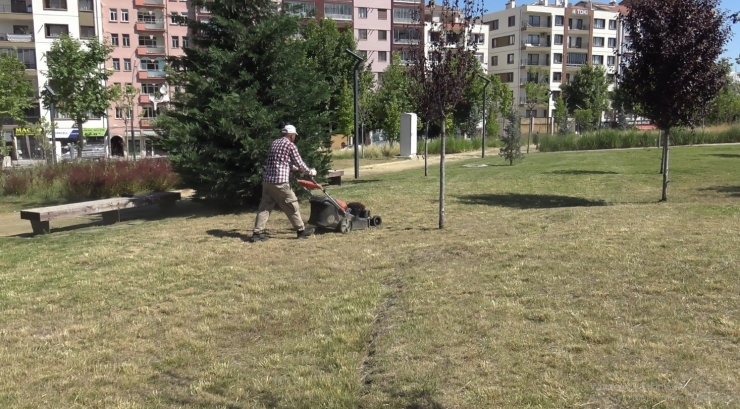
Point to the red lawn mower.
(328, 213)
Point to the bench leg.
(40, 227)
(111, 217)
(336, 180)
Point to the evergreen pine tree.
(512, 138)
(245, 75)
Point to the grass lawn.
(560, 282)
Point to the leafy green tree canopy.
(589, 90)
(15, 90)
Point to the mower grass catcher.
(328, 213)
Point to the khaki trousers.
(282, 196)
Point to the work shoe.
(303, 234)
(256, 237)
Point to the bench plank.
(97, 206)
(335, 177)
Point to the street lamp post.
(357, 109)
(483, 145)
(53, 128)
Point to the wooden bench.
(110, 209)
(335, 177)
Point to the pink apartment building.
(143, 35)
(372, 26)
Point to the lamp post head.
(49, 90)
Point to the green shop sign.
(93, 131)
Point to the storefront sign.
(580, 11)
(93, 131)
(20, 131)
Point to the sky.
(733, 47)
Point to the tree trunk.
(442, 174)
(426, 149)
(662, 151)
(666, 139)
(531, 128)
(80, 139)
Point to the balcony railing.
(407, 1)
(405, 41)
(335, 16)
(154, 74)
(15, 8)
(532, 63)
(16, 38)
(575, 60)
(145, 122)
(405, 20)
(576, 45)
(149, 3)
(584, 27)
(526, 25)
(152, 50)
(150, 25)
(541, 43)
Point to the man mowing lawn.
(282, 158)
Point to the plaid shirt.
(282, 158)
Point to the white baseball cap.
(288, 129)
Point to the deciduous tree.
(537, 89)
(15, 90)
(441, 72)
(672, 63)
(561, 115)
(77, 75)
(588, 90)
(392, 99)
(512, 138)
(124, 101)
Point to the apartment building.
(556, 36)
(436, 19)
(379, 26)
(31, 26)
(143, 34)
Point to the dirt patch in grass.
(553, 286)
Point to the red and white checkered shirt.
(283, 157)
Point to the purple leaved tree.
(441, 67)
(670, 65)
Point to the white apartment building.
(31, 26)
(556, 36)
(433, 25)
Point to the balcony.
(141, 51)
(338, 16)
(17, 10)
(408, 1)
(576, 59)
(542, 25)
(532, 63)
(582, 45)
(408, 41)
(11, 40)
(535, 44)
(145, 123)
(149, 3)
(582, 27)
(155, 25)
(151, 75)
(145, 99)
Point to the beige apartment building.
(556, 36)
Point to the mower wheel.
(345, 226)
(376, 221)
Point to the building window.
(612, 24)
(338, 11)
(298, 8)
(382, 35)
(494, 25)
(610, 60)
(124, 16)
(363, 54)
(404, 16)
(510, 59)
(119, 113)
(114, 40)
(55, 30)
(382, 14)
(61, 115)
(559, 21)
(558, 39)
(175, 42)
(113, 15)
(555, 95)
(362, 12)
(116, 64)
(533, 59)
(507, 77)
(598, 41)
(534, 21)
(126, 40)
(494, 60)
(405, 36)
(149, 111)
(511, 40)
(557, 76)
(612, 43)
(184, 42)
(149, 88)
(512, 21)
(147, 41)
(598, 60)
(127, 64)
(599, 23)
(557, 58)
(382, 56)
(173, 18)
(87, 32)
(362, 34)
(148, 65)
(55, 4)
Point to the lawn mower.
(328, 213)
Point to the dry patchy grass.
(560, 282)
